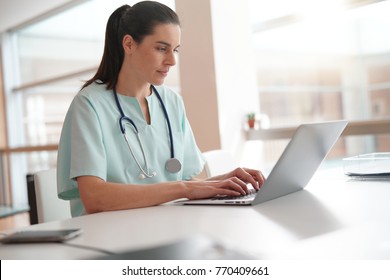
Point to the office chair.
(218, 162)
(49, 206)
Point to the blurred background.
(286, 61)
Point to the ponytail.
(113, 54)
(137, 21)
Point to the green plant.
(251, 120)
(251, 116)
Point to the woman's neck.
(128, 85)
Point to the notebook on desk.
(296, 166)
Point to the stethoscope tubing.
(168, 121)
(123, 118)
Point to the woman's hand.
(205, 189)
(245, 175)
(233, 183)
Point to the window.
(323, 60)
(47, 62)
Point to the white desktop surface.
(333, 218)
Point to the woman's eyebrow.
(166, 44)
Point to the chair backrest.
(49, 206)
(218, 162)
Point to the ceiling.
(15, 12)
(78, 19)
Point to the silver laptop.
(296, 166)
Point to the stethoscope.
(173, 165)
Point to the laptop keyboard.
(251, 194)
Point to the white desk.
(333, 218)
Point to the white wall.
(235, 72)
(197, 72)
(218, 78)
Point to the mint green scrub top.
(92, 143)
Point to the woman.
(126, 141)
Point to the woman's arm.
(98, 195)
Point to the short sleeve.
(81, 149)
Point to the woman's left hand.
(247, 175)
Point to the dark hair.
(137, 21)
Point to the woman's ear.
(128, 43)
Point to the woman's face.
(155, 55)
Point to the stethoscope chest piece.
(173, 165)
